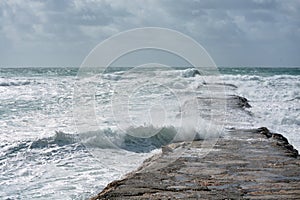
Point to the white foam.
(275, 102)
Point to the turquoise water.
(260, 71)
(69, 71)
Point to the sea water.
(44, 154)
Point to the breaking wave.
(59, 139)
(135, 139)
(131, 139)
(144, 139)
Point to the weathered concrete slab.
(244, 164)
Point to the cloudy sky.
(234, 32)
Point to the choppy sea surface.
(47, 153)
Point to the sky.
(234, 32)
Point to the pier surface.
(243, 164)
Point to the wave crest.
(59, 139)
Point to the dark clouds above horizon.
(234, 32)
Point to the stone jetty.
(243, 164)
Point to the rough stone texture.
(244, 164)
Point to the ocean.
(62, 137)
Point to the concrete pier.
(244, 164)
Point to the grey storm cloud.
(254, 32)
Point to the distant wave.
(14, 82)
(190, 72)
(293, 99)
